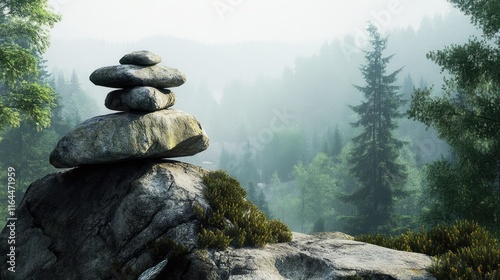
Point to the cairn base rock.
(106, 222)
(128, 136)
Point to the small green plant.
(280, 231)
(213, 239)
(201, 254)
(462, 251)
(234, 220)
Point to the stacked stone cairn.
(146, 127)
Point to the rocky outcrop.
(106, 221)
(130, 220)
(125, 220)
(323, 256)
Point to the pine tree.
(247, 169)
(228, 162)
(376, 150)
(406, 92)
(333, 143)
(467, 117)
(251, 191)
(262, 204)
(24, 37)
(337, 144)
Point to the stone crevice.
(140, 230)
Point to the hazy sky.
(230, 21)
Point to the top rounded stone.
(143, 58)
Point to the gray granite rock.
(116, 221)
(106, 221)
(310, 257)
(123, 76)
(127, 136)
(148, 99)
(144, 57)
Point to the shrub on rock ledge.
(463, 250)
(234, 220)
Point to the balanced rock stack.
(147, 128)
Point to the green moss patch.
(234, 220)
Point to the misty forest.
(379, 132)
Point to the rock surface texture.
(112, 221)
(128, 136)
(104, 222)
(126, 75)
(140, 99)
(324, 256)
(145, 58)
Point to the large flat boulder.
(127, 136)
(324, 256)
(105, 222)
(127, 75)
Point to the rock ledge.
(120, 220)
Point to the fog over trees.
(279, 117)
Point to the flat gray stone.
(145, 58)
(123, 76)
(148, 99)
(127, 136)
(310, 257)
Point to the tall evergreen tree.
(333, 143)
(251, 191)
(247, 168)
(263, 204)
(24, 37)
(228, 162)
(376, 150)
(467, 117)
(406, 92)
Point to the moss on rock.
(234, 220)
